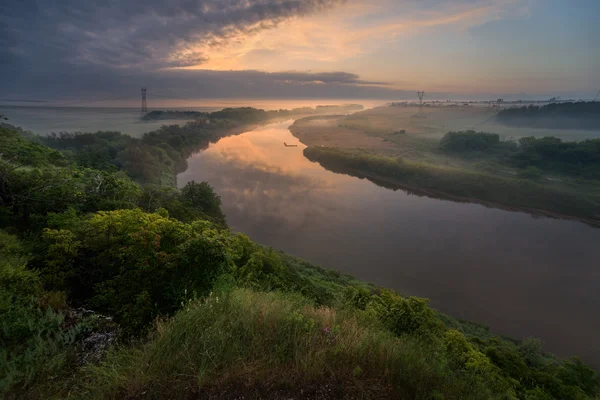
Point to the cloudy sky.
(71, 49)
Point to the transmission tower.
(421, 94)
(144, 104)
(597, 94)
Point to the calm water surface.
(520, 275)
(44, 120)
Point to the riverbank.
(371, 145)
(204, 310)
(461, 185)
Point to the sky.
(376, 49)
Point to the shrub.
(466, 141)
(463, 356)
(532, 173)
(132, 264)
(550, 153)
(33, 341)
(402, 315)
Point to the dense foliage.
(36, 181)
(33, 338)
(532, 155)
(158, 156)
(150, 256)
(552, 154)
(466, 141)
(155, 158)
(568, 115)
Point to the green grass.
(267, 342)
(323, 280)
(461, 185)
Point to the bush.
(33, 341)
(132, 264)
(463, 356)
(550, 153)
(532, 173)
(402, 315)
(36, 192)
(468, 141)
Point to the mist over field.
(307, 199)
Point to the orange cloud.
(329, 39)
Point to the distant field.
(378, 131)
(439, 120)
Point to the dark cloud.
(90, 49)
(141, 33)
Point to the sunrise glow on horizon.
(320, 48)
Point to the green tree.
(202, 198)
(134, 265)
(405, 315)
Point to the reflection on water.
(523, 276)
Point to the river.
(523, 276)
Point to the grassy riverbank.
(461, 185)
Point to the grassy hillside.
(185, 308)
(272, 344)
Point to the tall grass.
(267, 342)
